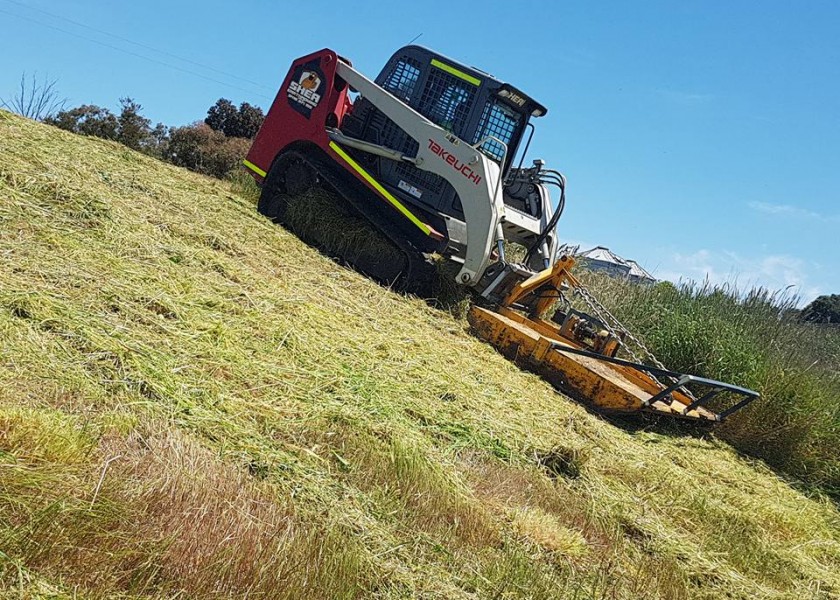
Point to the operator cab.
(471, 104)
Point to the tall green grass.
(752, 340)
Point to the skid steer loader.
(427, 154)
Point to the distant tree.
(159, 141)
(87, 119)
(248, 122)
(215, 147)
(135, 130)
(221, 115)
(35, 100)
(200, 148)
(188, 144)
(825, 309)
(243, 122)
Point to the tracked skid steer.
(427, 154)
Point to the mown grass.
(752, 340)
(193, 403)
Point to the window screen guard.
(498, 121)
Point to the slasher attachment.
(578, 353)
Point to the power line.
(135, 54)
(139, 44)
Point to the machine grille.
(403, 79)
(398, 140)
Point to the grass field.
(194, 404)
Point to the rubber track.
(417, 275)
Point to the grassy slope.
(192, 400)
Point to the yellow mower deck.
(608, 387)
(609, 383)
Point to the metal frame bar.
(668, 390)
(702, 400)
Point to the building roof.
(605, 255)
(602, 253)
(637, 270)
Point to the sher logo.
(306, 89)
(462, 168)
(513, 97)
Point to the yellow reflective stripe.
(455, 72)
(254, 168)
(378, 187)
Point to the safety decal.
(410, 189)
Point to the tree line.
(214, 146)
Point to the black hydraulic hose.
(552, 224)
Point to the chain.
(612, 324)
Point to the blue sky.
(699, 138)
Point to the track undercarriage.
(322, 206)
